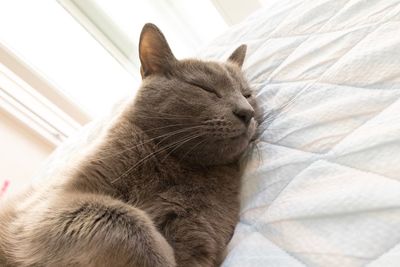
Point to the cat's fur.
(160, 189)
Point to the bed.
(322, 188)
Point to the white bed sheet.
(323, 189)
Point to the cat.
(160, 188)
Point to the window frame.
(33, 100)
(102, 28)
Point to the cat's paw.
(165, 250)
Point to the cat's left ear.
(237, 57)
(155, 55)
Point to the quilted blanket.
(323, 187)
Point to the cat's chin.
(218, 151)
(239, 144)
(228, 150)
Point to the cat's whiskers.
(140, 162)
(169, 126)
(248, 154)
(167, 116)
(276, 113)
(181, 131)
(165, 136)
(162, 118)
(277, 129)
(185, 141)
(192, 149)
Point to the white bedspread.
(323, 189)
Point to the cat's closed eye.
(206, 88)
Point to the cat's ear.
(154, 52)
(237, 57)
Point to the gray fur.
(160, 189)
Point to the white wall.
(21, 152)
(234, 11)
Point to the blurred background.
(64, 63)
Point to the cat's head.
(202, 112)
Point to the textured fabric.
(323, 188)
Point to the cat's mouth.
(249, 133)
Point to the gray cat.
(161, 187)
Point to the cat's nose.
(244, 113)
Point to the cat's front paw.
(165, 251)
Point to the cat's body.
(157, 190)
(164, 189)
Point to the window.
(49, 41)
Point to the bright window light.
(51, 41)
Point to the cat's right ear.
(154, 52)
(237, 57)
